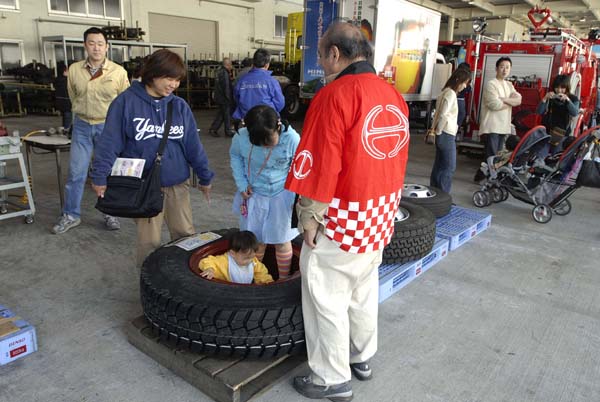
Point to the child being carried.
(239, 264)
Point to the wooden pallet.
(223, 379)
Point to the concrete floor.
(513, 315)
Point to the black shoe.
(213, 133)
(230, 134)
(337, 393)
(362, 371)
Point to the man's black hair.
(261, 58)
(244, 240)
(94, 30)
(503, 58)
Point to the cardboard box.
(461, 225)
(17, 337)
(393, 277)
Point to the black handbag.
(589, 175)
(133, 197)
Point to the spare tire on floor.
(211, 316)
(414, 234)
(432, 198)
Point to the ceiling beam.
(594, 7)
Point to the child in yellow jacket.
(239, 264)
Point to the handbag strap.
(165, 137)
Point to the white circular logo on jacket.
(370, 133)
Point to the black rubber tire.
(413, 238)
(214, 317)
(440, 204)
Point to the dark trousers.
(444, 164)
(493, 144)
(67, 119)
(223, 116)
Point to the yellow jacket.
(90, 99)
(220, 264)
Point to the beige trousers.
(177, 212)
(339, 305)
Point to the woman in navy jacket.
(134, 128)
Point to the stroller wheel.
(542, 213)
(481, 199)
(505, 193)
(496, 194)
(564, 208)
(490, 200)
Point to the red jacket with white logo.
(352, 155)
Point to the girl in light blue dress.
(261, 154)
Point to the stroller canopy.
(530, 144)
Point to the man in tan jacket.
(499, 97)
(92, 84)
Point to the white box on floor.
(17, 337)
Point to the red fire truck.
(535, 63)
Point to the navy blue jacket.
(133, 129)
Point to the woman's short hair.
(459, 76)
(261, 121)
(163, 63)
(244, 240)
(562, 81)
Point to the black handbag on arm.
(133, 197)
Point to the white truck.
(404, 36)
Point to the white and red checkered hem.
(362, 227)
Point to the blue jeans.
(445, 162)
(494, 143)
(82, 145)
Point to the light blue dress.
(269, 209)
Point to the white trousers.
(339, 306)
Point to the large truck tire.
(216, 317)
(432, 198)
(414, 234)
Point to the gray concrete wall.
(240, 23)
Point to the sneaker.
(111, 223)
(213, 133)
(337, 393)
(362, 371)
(230, 134)
(65, 222)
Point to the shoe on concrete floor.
(111, 223)
(337, 393)
(230, 134)
(213, 133)
(362, 371)
(65, 222)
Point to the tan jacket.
(495, 116)
(446, 114)
(90, 98)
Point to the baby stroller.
(528, 178)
